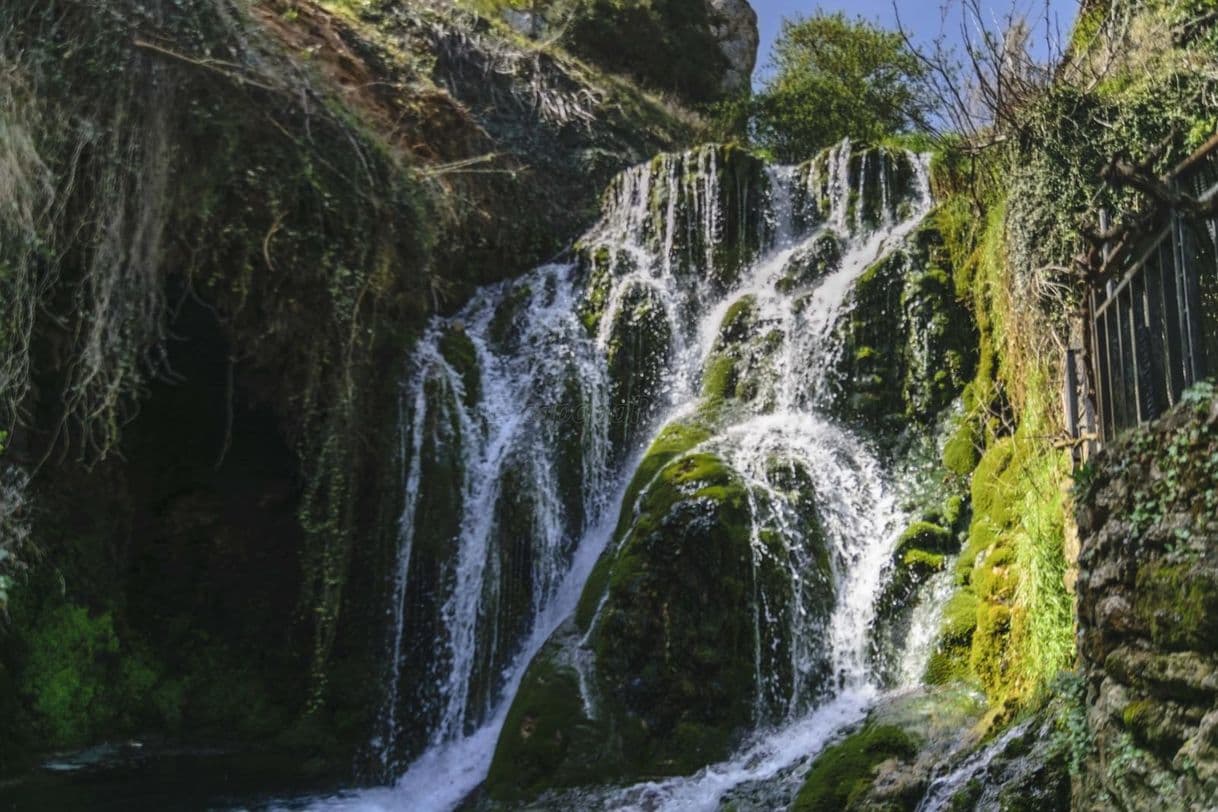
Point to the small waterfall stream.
(525, 415)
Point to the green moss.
(808, 266)
(845, 771)
(673, 643)
(673, 441)
(954, 511)
(719, 380)
(67, 674)
(927, 537)
(1138, 714)
(1179, 604)
(637, 354)
(923, 563)
(740, 362)
(676, 587)
(539, 732)
(961, 452)
(738, 320)
(949, 662)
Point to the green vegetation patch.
(845, 771)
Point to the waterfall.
(524, 416)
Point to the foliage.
(834, 78)
(69, 672)
(1071, 730)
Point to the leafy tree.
(834, 77)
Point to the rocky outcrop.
(734, 24)
(702, 50)
(1148, 615)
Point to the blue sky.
(924, 17)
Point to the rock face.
(1148, 616)
(702, 50)
(734, 24)
(908, 328)
(321, 210)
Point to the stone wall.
(1148, 615)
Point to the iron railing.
(1154, 321)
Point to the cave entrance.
(214, 560)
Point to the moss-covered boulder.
(888, 762)
(677, 583)
(740, 372)
(844, 772)
(667, 628)
(547, 740)
(675, 638)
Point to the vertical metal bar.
(1134, 357)
(1122, 361)
(1097, 367)
(1145, 357)
(1103, 361)
(1071, 393)
(1184, 280)
(1171, 320)
(1152, 281)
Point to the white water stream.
(461, 641)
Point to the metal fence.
(1154, 322)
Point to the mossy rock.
(962, 451)
(506, 323)
(637, 355)
(842, 775)
(547, 741)
(949, 662)
(597, 265)
(674, 641)
(740, 368)
(811, 264)
(920, 552)
(909, 343)
(680, 577)
(928, 537)
(1178, 603)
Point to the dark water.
(173, 780)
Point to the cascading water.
(524, 415)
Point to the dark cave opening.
(213, 564)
